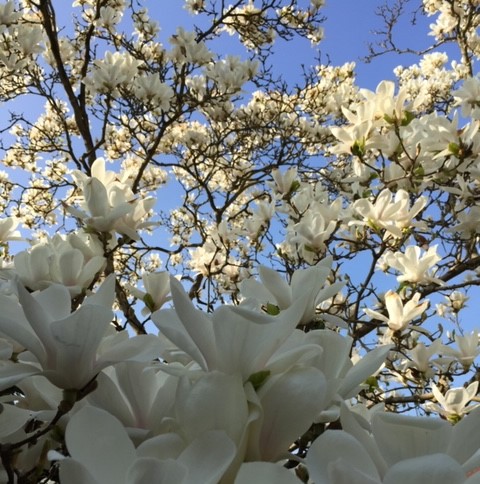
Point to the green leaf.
(272, 309)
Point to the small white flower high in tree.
(213, 271)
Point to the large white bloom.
(396, 449)
(69, 348)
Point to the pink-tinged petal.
(208, 457)
(430, 469)
(76, 341)
(277, 285)
(73, 472)
(414, 436)
(263, 472)
(337, 445)
(148, 470)
(13, 373)
(365, 368)
(290, 403)
(12, 419)
(98, 441)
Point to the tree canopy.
(212, 273)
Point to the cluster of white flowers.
(211, 274)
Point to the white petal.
(73, 472)
(144, 347)
(263, 473)
(76, 342)
(214, 402)
(208, 457)
(12, 373)
(277, 286)
(332, 445)
(56, 301)
(464, 441)
(414, 436)
(12, 419)
(170, 326)
(148, 470)
(198, 325)
(430, 469)
(104, 295)
(98, 441)
(290, 403)
(365, 368)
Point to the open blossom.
(396, 449)
(276, 291)
(467, 348)
(72, 261)
(69, 348)
(399, 315)
(414, 265)
(108, 204)
(453, 405)
(388, 212)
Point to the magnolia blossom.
(399, 315)
(467, 349)
(109, 204)
(102, 453)
(69, 348)
(157, 291)
(391, 214)
(453, 405)
(395, 449)
(414, 265)
(68, 261)
(276, 291)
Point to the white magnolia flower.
(420, 358)
(467, 348)
(102, 453)
(415, 265)
(157, 291)
(57, 261)
(453, 405)
(388, 212)
(396, 449)
(399, 315)
(274, 290)
(70, 349)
